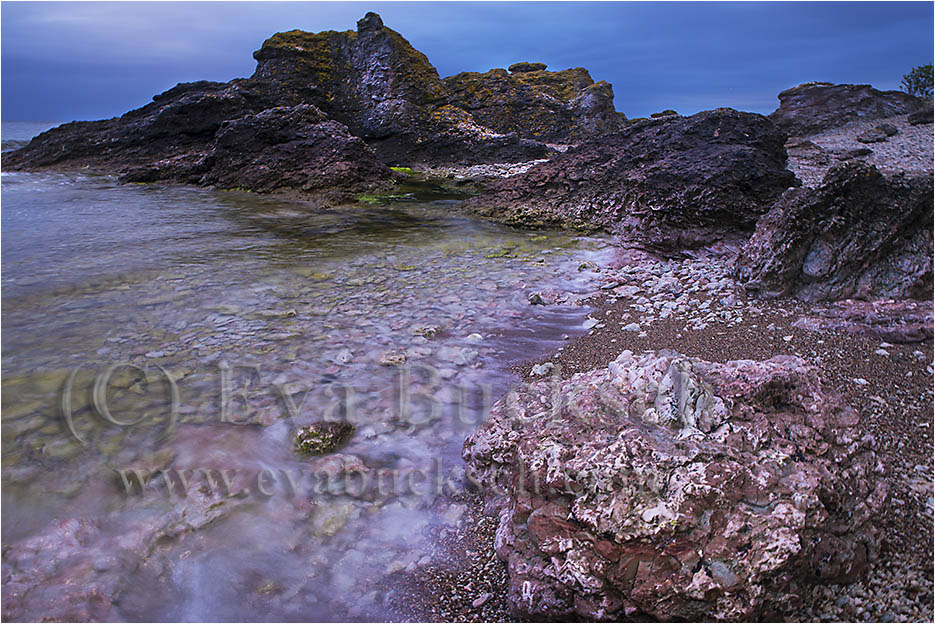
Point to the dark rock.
(519, 68)
(894, 321)
(372, 81)
(807, 152)
(677, 489)
(923, 116)
(858, 235)
(555, 107)
(874, 135)
(854, 153)
(667, 185)
(666, 113)
(888, 129)
(814, 107)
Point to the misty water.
(186, 334)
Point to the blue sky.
(87, 60)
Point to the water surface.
(226, 321)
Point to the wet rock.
(322, 437)
(670, 184)
(673, 488)
(858, 235)
(814, 107)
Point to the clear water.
(267, 315)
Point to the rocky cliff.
(367, 85)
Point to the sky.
(90, 60)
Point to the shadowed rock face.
(668, 184)
(370, 83)
(818, 106)
(675, 488)
(858, 235)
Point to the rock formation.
(666, 184)
(858, 235)
(675, 488)
(555, 107)
(814, 107)
(366, 85)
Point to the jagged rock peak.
(369, 22)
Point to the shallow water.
(227, 321)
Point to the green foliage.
(919, 81)
(406, 170)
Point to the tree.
(919, 81)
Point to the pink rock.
(675, 488)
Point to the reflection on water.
(222, 322)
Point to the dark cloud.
(90, 60)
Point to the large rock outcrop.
(667, 184)
(814, 107)
(555, 107)
(858, 235)
(676, 488)
(369, 83)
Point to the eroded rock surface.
(676, 488)
(668, 184)
(814, 107)
(858, 235)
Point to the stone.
(858, 235)
(814, 107)
(522, 68)
(921, 116)
(322, 437)
(874, 135)
(666, 113)
(898, 321)
(555, 107)
(672, 488)
(664, 185)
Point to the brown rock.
(814, 107)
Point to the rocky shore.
(746, 430)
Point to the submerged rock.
(322, 437)
(814, 107)
(675, 488)
(858, 235)
(667, 185)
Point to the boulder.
(673, 488)
(814, 107)
(921, 116)
(519, 68)
(665, 185)
(555, 107)
(857, 235)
